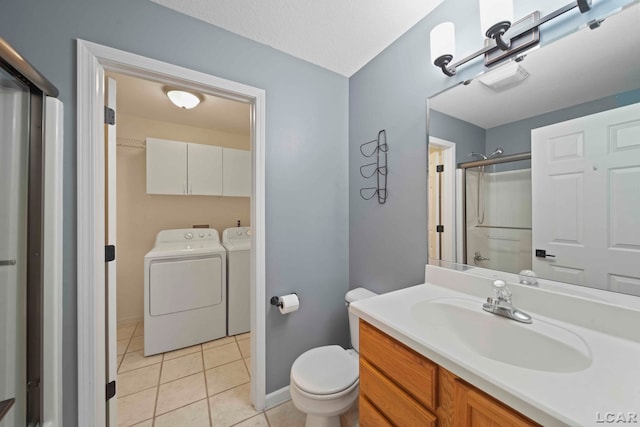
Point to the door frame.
(92, 61)
(448, 194)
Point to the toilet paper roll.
(288, 303)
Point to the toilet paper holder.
(275, 300)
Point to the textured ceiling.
(340, 35)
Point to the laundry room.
(183, 181)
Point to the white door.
(204, 169)
(14, 149)
(166, 166)
(110, 268)
(586, 200)
(442, 200)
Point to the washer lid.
(325, 370)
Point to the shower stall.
(496, 222)
(25, 271)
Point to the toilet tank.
(356, 295)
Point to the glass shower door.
(14, 160)
(498, 216)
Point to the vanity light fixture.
(503, 38)
(496, 17)
(504, 77)
(183, 99)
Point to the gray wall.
(388, 243)
(306, 159)
(468, 137)
(516, 137)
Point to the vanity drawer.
(370, 416)
(391, 400)
(411, 371)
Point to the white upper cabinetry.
(175, 167)
(236, 172)
(204, 169)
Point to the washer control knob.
(188, 236)
(201, 235)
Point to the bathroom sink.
(539, 346)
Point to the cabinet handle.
(184, 188)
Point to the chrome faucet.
(501, 304)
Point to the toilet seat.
(325, 372)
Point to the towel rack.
(379, 148)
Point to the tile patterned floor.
(200, 386)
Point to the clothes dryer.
(237, 241)
(185, 299)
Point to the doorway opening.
(93, 362)
(442, 199)
(182, 189)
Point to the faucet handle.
(502, 290)
(499, 283)
(527, 277)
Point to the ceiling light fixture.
(504, 39)
(183, 99)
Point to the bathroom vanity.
(401, 385)
(430, 355)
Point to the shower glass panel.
(498, 216)
(14, 160)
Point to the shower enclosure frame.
(472, 164)
(42, 319)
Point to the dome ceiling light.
(183, 99)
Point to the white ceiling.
(582, 67)
(147, 99)
(340, 35)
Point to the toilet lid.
(325, 370)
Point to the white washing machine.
(185, 298)
(237, 240)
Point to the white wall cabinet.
(180, 168)
(204, 170)
(166, 167)
(236, 172)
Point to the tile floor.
(200, 386)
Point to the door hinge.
(111, 389)
(109, 116)
(440, 168)
(439, 228)
(109, 253)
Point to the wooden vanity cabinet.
(400, 387)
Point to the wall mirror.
(541, 162)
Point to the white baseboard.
(277, 397)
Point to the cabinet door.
(236, 180)
(204, 170)
(475, 408)
(166, 167)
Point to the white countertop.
(611, 384)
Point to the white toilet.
(325, 380)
